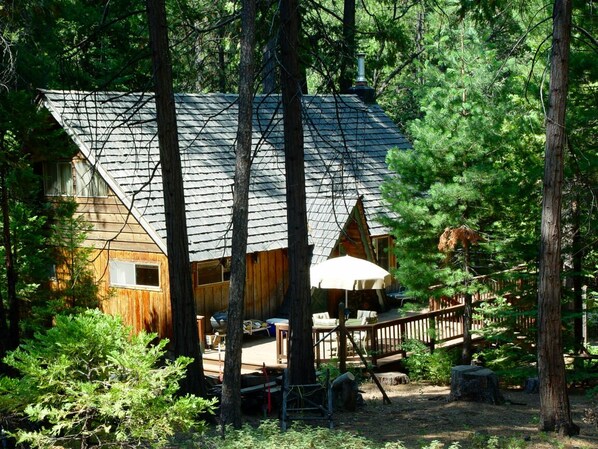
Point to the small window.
(131, 274)
(52, 272)
(381, 248)
(88, 181)
(213, 271)
(58, 179)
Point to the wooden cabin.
(116, 182)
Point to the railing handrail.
(399, 324)
(491, 276)
(387, 337)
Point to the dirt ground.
(421, 413)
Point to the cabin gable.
(345, 148)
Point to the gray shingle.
(346, 143)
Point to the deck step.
(259, 387)
(215, 367)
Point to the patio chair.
(367, 316)
(327, 345)
(361, 337)
(320, 316)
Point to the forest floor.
(420, 413)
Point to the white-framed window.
(213, 271)
(58, 179)
(134, 274)
(76, 178)
(88, 181)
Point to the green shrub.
(88, 381)
(426, 365)
(510, 361)
(511, 345)
(332, 368)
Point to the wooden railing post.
(432, 331)
(282, 341)
(402, 339)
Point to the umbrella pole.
(342, 342)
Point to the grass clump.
(269, 436)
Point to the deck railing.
(442, 327)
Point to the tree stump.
(475, 383)
(532, 385)
(392, 378)
(345, 391)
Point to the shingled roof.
(346, 143)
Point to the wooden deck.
(380, 343)
(258, 350)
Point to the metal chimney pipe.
(361, 88)
(360, 69)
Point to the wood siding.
(354, 241)
(142, 308)
(117, 235)
(113, 226)
(149, 309)
(267, 282)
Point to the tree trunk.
(269, 84)
(577, 276)
(467, 312)
(185, 334)
(221, 61)
(14, 313)
(555, 414)
(467, 320)
(301, 353)
(347, 59)
(231, 388)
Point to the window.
(213, 271)
(132, 274)
(381, 248)
(88, 181)
(52, 272)
(59, 180)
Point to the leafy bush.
(426, 365)
(88, 381)
(332, 368)
(483, 441)
(510, 361)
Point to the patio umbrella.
(349, 273)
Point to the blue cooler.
(272, 325)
